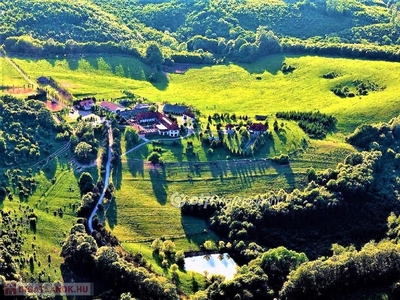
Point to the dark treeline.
(347, 50)
(347, 270)
(315, 124)
(26, 45)
(201, 31)
(377, 136)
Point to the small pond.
(214, 264)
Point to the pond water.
(214, 265)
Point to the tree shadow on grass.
(178, 149)
(287, 172)
(197, 230)
(93, 62)
(281, 133)
(50, 169)
(162, 82)
(117, 174)
(51, 61)
(136, 167)
(159, 184)
(271, 64)
(73, 63)
(135, 70)
(111, 213)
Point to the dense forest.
(202, 31)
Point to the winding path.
(190, 132)
(106, 180)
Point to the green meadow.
(143, 210)
(234, 88)
(105, 77)
(9, 77)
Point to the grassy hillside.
(9, 77)
(100, 76)
(234, 88)
(51, 228)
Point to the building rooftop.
(174, 108)
(111, 106)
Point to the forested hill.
(237, 29)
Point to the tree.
(277, 264)
(154, 56)
(85, 182)
(168, 247)
(79, 249)
(268, 42)
(154, 157)
(2, 145)
(209, 245)
(156, 245)
(84, 152)
(132, 137)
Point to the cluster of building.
(147, 121)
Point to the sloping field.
(247, 88)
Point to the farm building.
(178, 110)
(162, 123)
(174, 109)
(86, 104)
(257, 128)
(261, 117)
(42, 80)
(111, 107)
(132, 113)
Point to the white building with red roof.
(164, 125)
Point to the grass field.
(144, 193)
(9, 77)
(286, 141)
(104, 77)
(234, 88)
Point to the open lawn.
(104, 77)
(234, 88)
(144, 192)
(9, 77)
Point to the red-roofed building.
(86, 104)
(164, 125)
(257, 128)
(229, 126)
(112, 107)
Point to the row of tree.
(315, 124)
